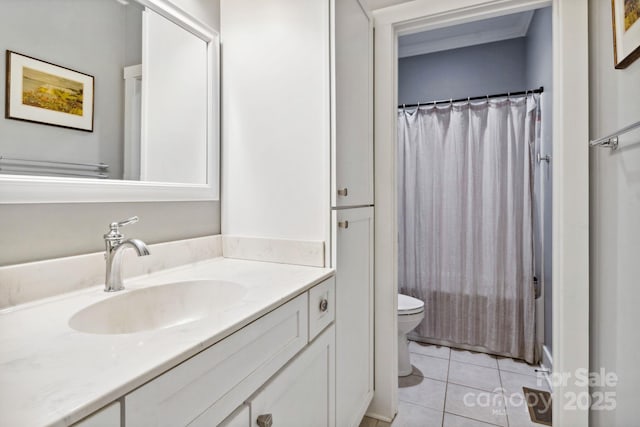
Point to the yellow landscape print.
(631, 13)
(44, 90)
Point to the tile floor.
(456, 388)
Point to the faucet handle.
(127, 221)
(114, 228)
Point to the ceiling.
(472, 33)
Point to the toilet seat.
(409, 305)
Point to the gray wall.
(614, 102)
(95, 37)
(32, 232)
(539, 72)
(458, 73)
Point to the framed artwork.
(626, 32)
(41, 92)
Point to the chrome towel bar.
(100, 166)
(24, 166)
(611, 141)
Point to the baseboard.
(547, 364)
(363, 410)
(379, 417)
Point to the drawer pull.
(343, 192)
(265, 420)
(324, 305)
(343, 224)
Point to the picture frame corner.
(623, 56)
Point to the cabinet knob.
(324, 305)
(265, 420)
(343, 192)
(343, 224)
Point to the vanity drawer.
(322, 306)
(223, 374)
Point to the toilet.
(410, 314)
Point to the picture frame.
(626, 32)
(41, 92)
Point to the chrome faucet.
(115, 245)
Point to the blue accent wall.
(458, 73)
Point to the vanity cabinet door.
(354, 314)
(302, 394)
(241, 417)
(213, 383)
(353, 94)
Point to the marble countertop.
(51, 374)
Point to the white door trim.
(570, 186)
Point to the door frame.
(570, 188)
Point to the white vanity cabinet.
(352, 84)
(213, 387)
(241, 417)
(303, 393)
(354, 314)
(352, 171)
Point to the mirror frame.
(42, 189)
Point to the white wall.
(276, 119)
(30, 232)
(615, 222)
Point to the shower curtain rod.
(473, 98)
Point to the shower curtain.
(465, 221)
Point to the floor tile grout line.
(446, 389)
(429, 355)
(519, 373)
(472, 419)
(473, 387)
(475, 364)
(506, 412)
(420, 404)
(429, 378)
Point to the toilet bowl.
(410, 314)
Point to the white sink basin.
(157, 307)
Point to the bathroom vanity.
(265, 353)
(272, 350)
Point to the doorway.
(474, 145)
(570, 185)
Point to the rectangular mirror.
(107, 100)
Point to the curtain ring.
(418, 104)
(403, 106)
